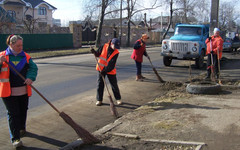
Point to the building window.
(42, 11)
(12, 13)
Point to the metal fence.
(41, 41)
(88, 36)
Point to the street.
(62, 77)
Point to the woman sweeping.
(137, 55)
(14, 91)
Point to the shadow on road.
(124, 105)
(45, 139)
(96, 147)
(169, 105)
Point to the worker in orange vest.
(107, 54)
(214, 48)
(137, 55)
(14, 91)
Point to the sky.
(67, 10)
(71, 10)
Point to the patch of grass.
(164, 99)
(61, 52)
(167, 124)
(145, 109)
(54, 53)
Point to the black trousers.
(17, 107)
(215, 65)
(139, 67)
(113, 82)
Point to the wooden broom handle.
(21, 76)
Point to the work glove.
(210, 38)
(103, 72)
(92, 51)
(3, 59)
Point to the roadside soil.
(178, 120)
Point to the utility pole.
(129, 23)
(120, 36)
(161, 21)
(214, 15)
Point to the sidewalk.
(173, 115)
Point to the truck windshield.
(188, 31)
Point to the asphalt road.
(61, 77)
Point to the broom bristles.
(112, 107)
(159, 78)
(87, 137)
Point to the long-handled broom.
(190, 71)
(87, 137)
(112, 106)
(218, 57)
(212, 66)
(155, 71)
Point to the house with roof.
(161, 23)
(38, 10)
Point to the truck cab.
(187, 43)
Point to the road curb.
(101, 131)
(108, 127)
(72, 145)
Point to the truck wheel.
(167, 60)
(200, 60)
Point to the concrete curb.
(103, 130)
(108, 127)
(72, 145)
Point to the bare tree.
(5, 19)
(131, 11)
(185, 9)
(227, 16)
(105, 4)
(171, 15)
(30, 23)
(105, 7)
(202, 9)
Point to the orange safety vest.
(217, 44)
(5, 88)
(103, 61)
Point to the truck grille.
(179, 47)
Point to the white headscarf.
(216, 30)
